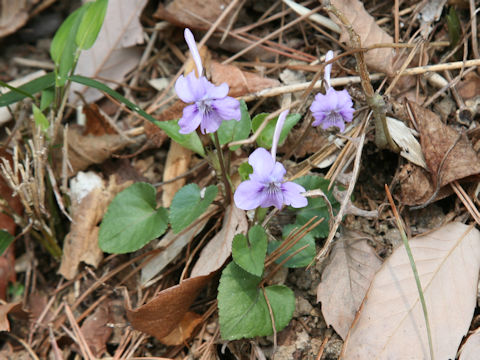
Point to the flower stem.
(225, 177)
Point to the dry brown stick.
(473, 26)
(80, 339)
(467, 202)
(338, 219)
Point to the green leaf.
(63, 49)
(233, 130)
(316, 206)
(454, 27)
(190, 141)
(40, 119)
(188, 204)
(266, 136)
(47, 98)
(243, 310)
(250, 254)
(27, 90)
(5, 240)
(132, 220)
(91, 24)
(304, 257)
(245, 169)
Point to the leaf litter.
(372, 309)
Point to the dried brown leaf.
(161, 315)
(12, 309)
(183, 330)
(219, 248)
(190, 13)
(240, 82)
(95, 330)
(96, 124)
(346, 279)
(391, 325)
(154, 134)
(114, 53)
(13, 15)
(81, 243)
(370, 33)
(469, 87)
(471, 348)
(448, 153)
(84, 151)
(178, 160)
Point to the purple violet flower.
(266, 186)
(335, 108)
(211, 105)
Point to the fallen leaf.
(219, 248)
(469, 87)
(114, 53)
(96, 124)
(240, 82)
(345, 280)
(471, 348)
(182, 332)
(189, 13)
(178, 160)
(390, 323)
(10, 308)
(370, 33)
(154, 134)
(95, 330)
(161, 315)
(84, 151)
(429, 13)
(448, 153)
(13, 15)
(81, 243)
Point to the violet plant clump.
(335, 108)
(266, 186)
(210, 103)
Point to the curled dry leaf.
(470, 86)
(240, 82)
(162, 315)
(12, 309)
(183, 330)
(471, 348)
(370, 33)
(178, 160)
(346, 279)
(391, 316)
(95, 330)
(84, 151)
(189, 13)
(81, 243)
(114, 53)
(219, 249)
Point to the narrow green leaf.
(243, 310)
(188, 204)
(266, 136)
(233, 130)
(190, 141)
(27, 90)
(454, 27)
(304, 257)
(132, 220)
(316, 206)
(91, 24)
(40, 119)
(47, 97)
(250, 254)
(63, 48)
(5, 240)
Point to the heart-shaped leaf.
(132, 220)
(233, 130)
(250, 254)
(266, 136)
(243, 310)
(188, 204)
